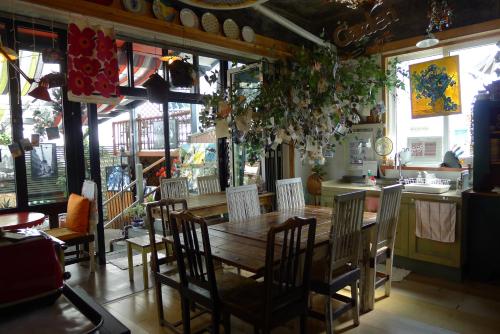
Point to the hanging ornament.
(440, 14)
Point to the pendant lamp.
(428, 41)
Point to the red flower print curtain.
(92, 64)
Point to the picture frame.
(43, 159)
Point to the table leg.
(145, 268)
(130, 262)
(367, 271)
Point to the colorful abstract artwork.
(435, 88)
(92, 64)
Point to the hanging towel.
(436, 220)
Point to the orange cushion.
(77, 217)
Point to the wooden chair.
(174, 187)
(208, 184)
(84, 243)
(344, 251)
(387, 221)
(242, 202)
(290, 194)
(284, 293)
(199, 283)
(170, 276)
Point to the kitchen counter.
(450, 195)
(416, 254)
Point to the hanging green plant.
(310, 103)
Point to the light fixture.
(6, 53)
(170, 58)
(428, 41)
(41, 92)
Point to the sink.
(427, 188)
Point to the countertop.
(375, 191)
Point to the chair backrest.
(89, 191)
(208, 184)
(195, 263)
(388, 215)
(242, 202)
(290, 194)
(345, 233)
(163, 208)
(288, 263)
(174, 187)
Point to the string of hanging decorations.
(440, 14)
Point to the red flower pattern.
(111, 70)
(104, 86)
(81, 42)
(79, 83)
(87, 65)
(105, 46)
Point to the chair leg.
(329, 314)
(303, 323)
(130, 263)
(215, 322)
(226, 319)
(388, 272)
(186, 317)
(144, 268)
(92, 256)
(354, 296)
(159, 302)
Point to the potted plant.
(136, 213)
(182, 73)
(314, 180)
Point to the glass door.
(243, 81)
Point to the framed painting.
(44, 161)
(435, 88)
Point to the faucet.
(397, 158)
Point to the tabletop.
(243, 244)
(18, 220)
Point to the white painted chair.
(290, 194)
(387, 221)
(242, 202)
(208, 184)
(341, 269)
(174, 187)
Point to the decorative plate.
(383, 146)
(231, 29)
(248, 34)
(210, 23)
(163, 11)
(134, 6)
(189, 18)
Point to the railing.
(140, 196)
(150, 132)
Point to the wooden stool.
(142, 245)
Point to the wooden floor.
(417, 305)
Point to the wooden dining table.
(216, 204)
(243, 244)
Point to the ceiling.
(318, 15)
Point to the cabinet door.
(401, 243)
(444, 253)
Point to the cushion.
(64, 233)
(77, 218)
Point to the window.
(429, 138)
(46, 163)
(7, 170)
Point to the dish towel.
(436, 220)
